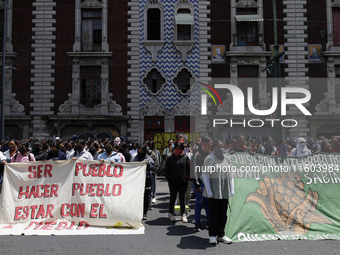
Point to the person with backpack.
(219, 188)
(23, 154)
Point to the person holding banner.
(142, 156)
(301, 148)
(110, 154)
(24, 154)
(80, 152)
(219, 187)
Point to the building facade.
(136, 68)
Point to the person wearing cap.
(23, 154)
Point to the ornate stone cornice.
(91, 4)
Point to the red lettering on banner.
(50, 207)
(33, 207)
(120, 171)
(62, 210)
(48, 170)
(102, 171)
(41, 212)
(37, 192)
(31, 224)
(71, 227)
(94, 169)
(108, 171)
(21, 192)
(79, 166)
(26, 211)
(36, 171)
(115, 187)
(100, 189)
(93, 211)
(107, 194)
(32, 174)
(40, 225)
(83, 224)
(73, 210)
(32, 193)
(62, 225)
(92, 188)
(54, 190)
(49, 225)
(75, 186)
(101, 214)
(17, 213)
(82, 193)
(46, 192)
(84, 171)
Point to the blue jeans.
(200, 202)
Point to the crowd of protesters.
(174, 162)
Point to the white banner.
(71, 197)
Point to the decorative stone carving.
(154, 47)
(153, 108)
(91, 4)
(335, 3)
(66, 106)
(184, 47)
(15, 106)
(113, 106)
(181, 4)
(153, 4)
(323, 106)
(227, 105)
(248, 60)
(247, 3)
(184, 108)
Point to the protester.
(301, 148)
(326, 146)
(110, 154)
(23, 154)
(55, 153)
(38, 151)
(123, 148)
(197, 160)
(268, 148)
(282, 149)
(11, 151)
(219, 188)
(240, 145)
(177, 173)
(142, 156)
(80, 152)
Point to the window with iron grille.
(91, 30)
(182, 80)
(90, 86)
(154, 81)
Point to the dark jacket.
(40, 156)
(61, 156)
(177, 170)
(198, 160)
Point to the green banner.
(287, 198)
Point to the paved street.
(161, 237)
